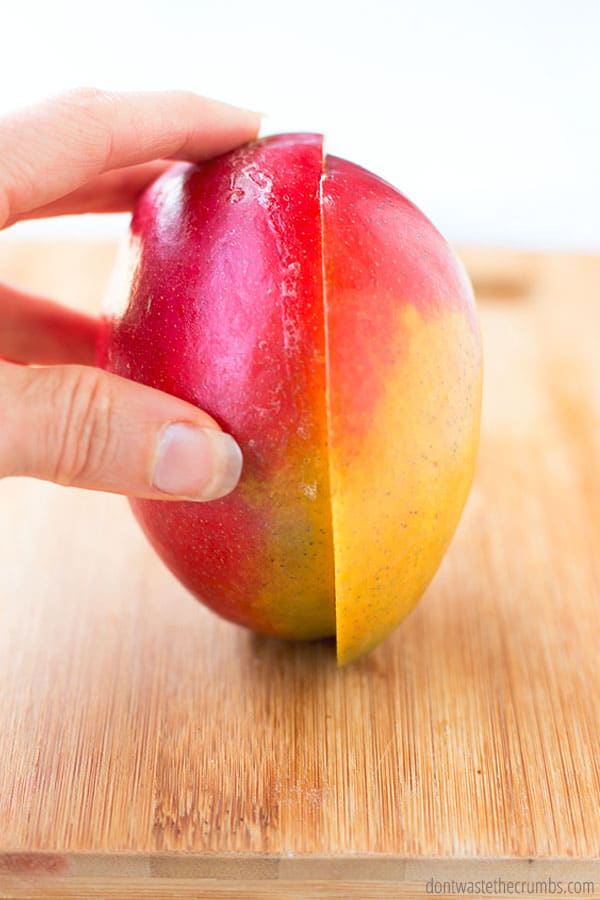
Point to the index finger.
(52, 148)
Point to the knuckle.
(94, 110)
(87, 96)
(187, 96)
(84, 428)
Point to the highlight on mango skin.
(324, 322)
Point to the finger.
(52, 148)
(39, 331)
(111, 192)
(84, 427)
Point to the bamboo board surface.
(148, 748)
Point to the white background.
(485, 114)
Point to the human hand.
(65, 421)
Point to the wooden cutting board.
(148, 748)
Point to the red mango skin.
(221, 304)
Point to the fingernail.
(263, 128)
(196, 463)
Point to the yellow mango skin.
(404, 399)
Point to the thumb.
(80, 426)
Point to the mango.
(324, 322)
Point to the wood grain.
(136, 725)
